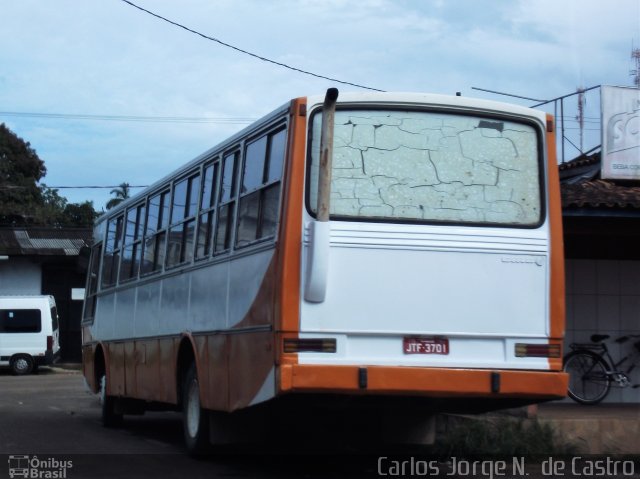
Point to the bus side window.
(155, 233)
(207, 210)
(133, 242)
(111, 259)
(226, 204)
(92, 283)
(260, 193)
(183, 220)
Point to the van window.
(20, 321)
(54, 318)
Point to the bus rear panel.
(442, 259)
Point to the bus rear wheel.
(109, 416)
(21, 364)
(195, 419)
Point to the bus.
(393, 253)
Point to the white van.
(29, 334)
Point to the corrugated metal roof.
(43, 241)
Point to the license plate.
(425, 345)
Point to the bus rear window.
(421, 166)
(20, 321)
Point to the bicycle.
(592, 371)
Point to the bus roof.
(430, 99)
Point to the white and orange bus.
(381, 247)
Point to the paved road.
(53, 417)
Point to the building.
(602, 248)
(40, 260)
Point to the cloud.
(73, 56)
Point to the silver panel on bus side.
(206, 299)
(247, 275)
(209, 308)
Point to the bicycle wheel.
(589, 382)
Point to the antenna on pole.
(580, 116)
(635, 56)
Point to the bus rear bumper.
(429, 382)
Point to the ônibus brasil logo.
(35, 468)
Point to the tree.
(122, 192)
(20, 170)
(79, 214)
(22, 201)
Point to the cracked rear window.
(398, 165)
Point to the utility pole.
(635, 56)
(580, 116)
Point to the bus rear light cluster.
(524, 350)
(309, 345)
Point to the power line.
(153, 119)
(254, 55)
(504, 94)
(79, 187)
(89, 187)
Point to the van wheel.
(21, 364)
(109, 416)
(195, 419)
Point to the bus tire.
(109, 416)
(21, 364)
(195, 420)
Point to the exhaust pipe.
(319, 231)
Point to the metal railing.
(579, 124)
(588, 127)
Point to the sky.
(108, 59)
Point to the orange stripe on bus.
(291, 233)
(433, 382)
(557, 285)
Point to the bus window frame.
(163, 224)
(92, 293)
(211, 210)
(137, 243)
(187, 217)
(118, 219)
(236, 152)
(160, 229)
(263, 187)
(538, 127)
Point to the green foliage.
(79, 214)
(120, 193)
(501, 437)
(22, 201)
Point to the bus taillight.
(309, 345)
(524, 350)
(49, 342)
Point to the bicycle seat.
(596, 338)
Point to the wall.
(20, 276)
(56, 276)
(603, 296)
